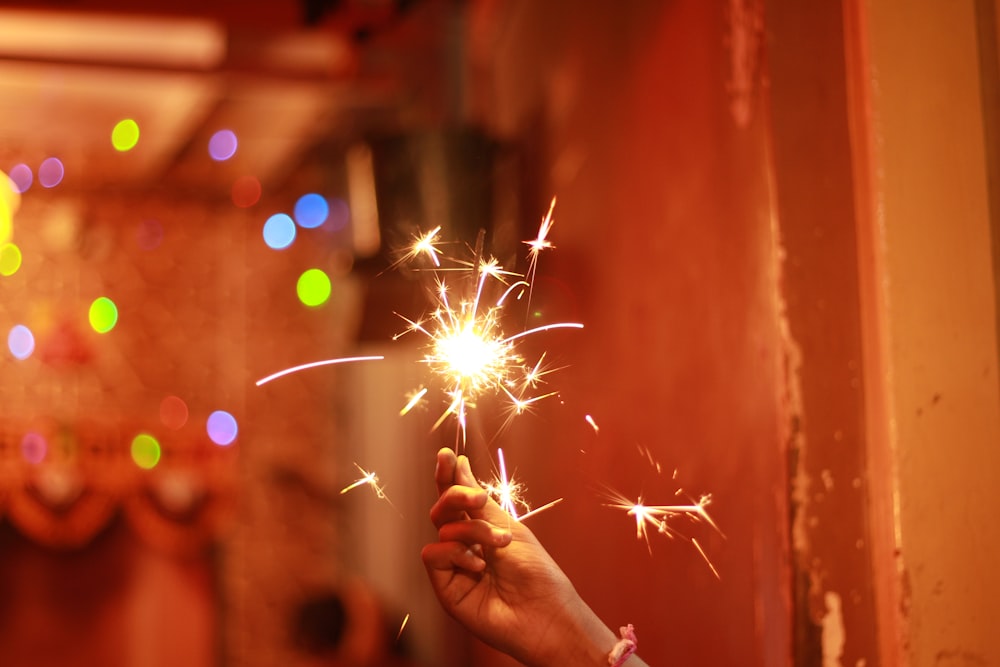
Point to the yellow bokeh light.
(103, 314)
(10, 201)
(6, 224)
(10, 259)
(313, 287)
(125, 135)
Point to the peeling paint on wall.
(833, 631)
(745, 29)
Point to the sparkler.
(467, 347)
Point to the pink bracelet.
(625, 647)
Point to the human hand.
(492, 575)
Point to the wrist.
(585, 641)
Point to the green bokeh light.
(10, 259)
(125, 135)
(145, 451)
(313, 287)
(103, 314)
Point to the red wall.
(666, 250)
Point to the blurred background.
(777, 222)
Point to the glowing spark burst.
(593, 424)
(659, 517)
(467, 347)
(505, 490)
(413, 401)
(314, 364)
(541, 242)
(369, 478)
(509, 494)
(423, 244)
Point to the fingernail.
(502, 538)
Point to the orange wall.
(932, 328)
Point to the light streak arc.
(315, 364)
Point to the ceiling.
(284, 76)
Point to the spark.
(533, 376)
(593, 424)
(314, 364)
(423, 244)
(467, 347)
(658, 518)
(413, 400)
(705, 558)
(541, 241)
(509, 494)
(540, 508)
(402, 625)
(654, 463)
(369, 478)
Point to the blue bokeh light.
(311, 210)
(279, 231)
